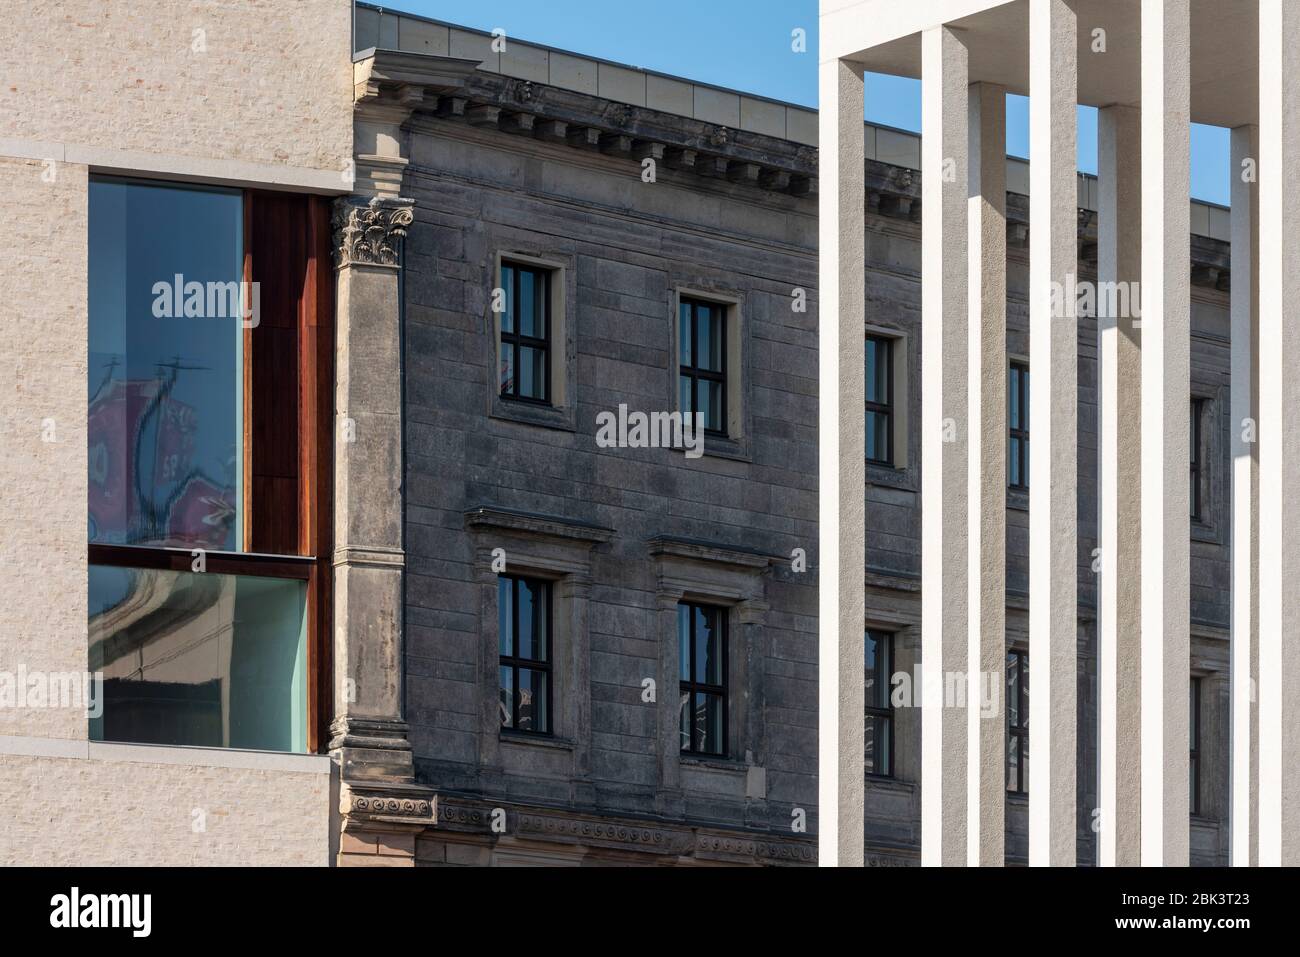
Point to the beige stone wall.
(265, 82)
(124, 805)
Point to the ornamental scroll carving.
(369, 234)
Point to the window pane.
(507, 697)
(508, 286)
(532, 372)
(877, 371)
(1013, 763)
(714, 407)
(1194, 707)
(704, 396)
(708, 337)
(870, 755)
(684, 710)
(882, 745)
(1013, 398)
(684, 642)
(165, 365)
(528, 303)
(873, 379)
(708, 723)
(507, 368)
(684, 394)
(1013, 692)
(708, 646)
(1024, 693)
(684, 344)
(202, 660)
(877, 436)
(872, 648)
(505, 617)
(532, 609)
(1013, 462)
(534, 708)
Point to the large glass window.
(702, 347)
(702, 661)
(210, 341)
(1018, 722)
(524, 640)
(879, 709)
(880, 400)
(526, 333)
(1018, 421)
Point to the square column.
(1244, 425)
(841, 465)
(945, 432)
(987, 477)
(1279, 434)
(1053, 465)
(1119, 454)
(1166, 394)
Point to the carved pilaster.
(369, 234)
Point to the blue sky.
(745, 45)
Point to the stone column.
(1053, 462)
(368, 732)
(1166, 394)
(841, 464)
(1244, 425)
(987, 477)
(1119, 499)
(1279, 434)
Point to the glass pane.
(708, 646)
(165, 365)
(1013, 464)
(508, 286)
(507, 368)
(714, 407)
(684, 642)
(1194, 703)
(1024, 693)
(706, 410)
(1013, 398)
(872, 695)
(873, 379)
(708, 723)
(532, 372)
(684, 709)
(684, 395)
(1024, 399)
(531, 607)
(1024, 762)
(506, 700)
(528, 304)
(1013, 763)
(871, 757)
(505, 618)
(1013, 692)
(203, 660)
(684, 334)
(534, 708)
(877, 436)
(882, 745)
(708, 338)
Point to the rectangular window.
(1018, 421)
(702, 354)
(526, 333)
(524, 642)
(208, 444)
(879, 710)
(1198, 460)
(702, 656)
(1018, 722)
(1194, 762)
(880, 400)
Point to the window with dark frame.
(702, 354)
(1018, 722)
(880, 400)
(1198, 460)
(525, 646)
(209, 431)
(879, 709)
(526, 333)
(702, 658)
(1194, 756)
(1018, 426)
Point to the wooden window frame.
(885, 408)
(516, 341)
(693, 373)
(288, 497)
(693, 685)
(514, 662)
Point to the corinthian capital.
(368, 234)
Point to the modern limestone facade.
(1190, 576)
(143, 91)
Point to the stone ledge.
(530, 523)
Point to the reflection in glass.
(164, 423)
(203, 660)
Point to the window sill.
(1018, 498)
(729, 765)
(536, 740)
(720, 447)
(527, 413)
(1017, 799)
(889, 476)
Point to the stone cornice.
(547, 526)
(404, 80)
(665, 546)
(634, 133)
